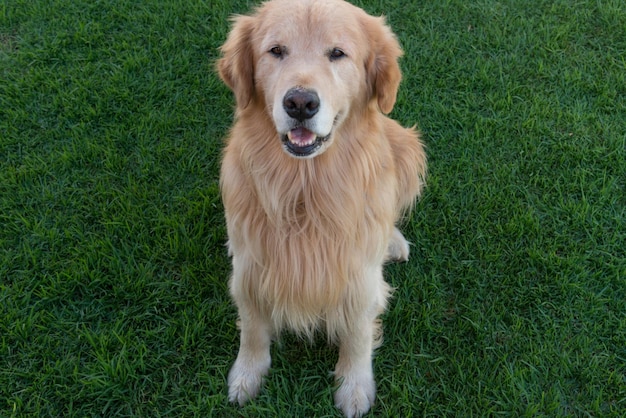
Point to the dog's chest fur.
(305, 229)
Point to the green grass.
(113, 271)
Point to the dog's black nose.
(301, 103)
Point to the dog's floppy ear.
(236, 67)
(383, 71)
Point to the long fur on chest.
(304, 232)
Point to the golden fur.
(309, 233)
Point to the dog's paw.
(244, 381)
(355, 397)
(398, 248)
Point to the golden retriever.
(314, 177)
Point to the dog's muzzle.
(301, 105)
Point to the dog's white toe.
(398, 248)
(244, 381)
(355, 397)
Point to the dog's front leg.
(354, 374)
(253, 361)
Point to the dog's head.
(311, 64)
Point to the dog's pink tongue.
(301, 136)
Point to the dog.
(314, 178)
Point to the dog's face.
(310, 64)
(310, 70)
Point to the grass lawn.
(113, 270)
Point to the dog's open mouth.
(301, 142)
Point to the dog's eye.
(276, 51)
(335, 54)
